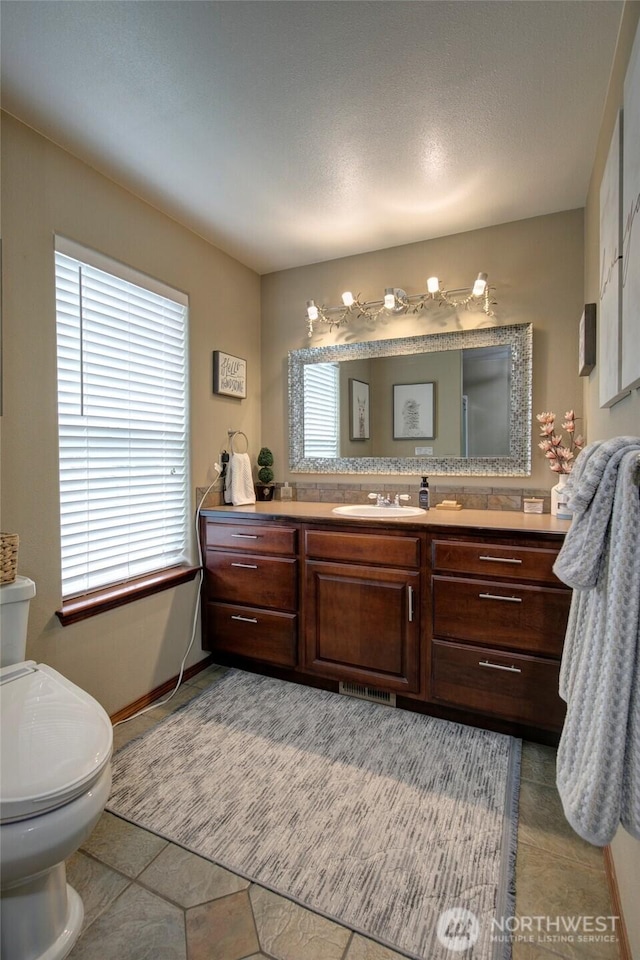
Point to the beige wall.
(621, 419)
(537, 268)
(123, 654)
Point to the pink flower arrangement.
(559, 454)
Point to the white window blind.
(321, 410)
(122, 422)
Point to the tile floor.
(147, 898)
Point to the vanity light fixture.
(480, 285)
(395, 300)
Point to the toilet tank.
(14, 616)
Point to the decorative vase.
(559, 498)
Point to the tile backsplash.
(473, 498)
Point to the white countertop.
(479, 519)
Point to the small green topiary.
(265, 462)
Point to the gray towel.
(598, 774)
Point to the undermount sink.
(372, 510)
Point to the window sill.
(107, 598)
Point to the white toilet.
(55, 768)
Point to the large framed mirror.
(446, 403)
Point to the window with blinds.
(321, 410)
(122, 421)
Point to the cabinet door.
(252, 632)
(509, 685)
(251, 537)
(496, 560)
(362, 624)
(256, 580)
(518, 616)
(369, 548)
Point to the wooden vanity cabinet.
(464, 623)
(250, 590)
(362, 607)
(499, 617)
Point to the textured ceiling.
(293, 132)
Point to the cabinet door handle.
(501, 559)
(246, 566)
(410, 602)
(495, 596)
(245, 536)
(244, 619)
(498, 666)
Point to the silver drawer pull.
(501, 559)
(245, 536)
(495, 596)
(498, 666)
(246, 566)
(244, 619)
(410, 603)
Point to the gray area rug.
(377, 818)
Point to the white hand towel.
(239, 486)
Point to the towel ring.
(232, 437)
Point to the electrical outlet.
(424, 452)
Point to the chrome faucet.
(386, 501)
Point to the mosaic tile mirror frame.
(515, 463)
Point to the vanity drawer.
(249, 632)
(512, 686)
(388, 551)
(518, 616)
(262, 581)
(495, 560)
(252, 537)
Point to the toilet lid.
(55, 740)
(17, 590)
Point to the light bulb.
(479, 285)
(347, 298)
(433, 284)
(389, 298)
(312, 310)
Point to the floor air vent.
(367, 693)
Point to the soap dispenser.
(423, 494)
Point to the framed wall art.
(229, 375)
(359, 415)
(414, 411)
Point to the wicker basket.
(8, 557)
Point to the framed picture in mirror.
(414, 411)
(359, 415)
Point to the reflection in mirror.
(486, 387)
(453, 403)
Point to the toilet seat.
(55, 740)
